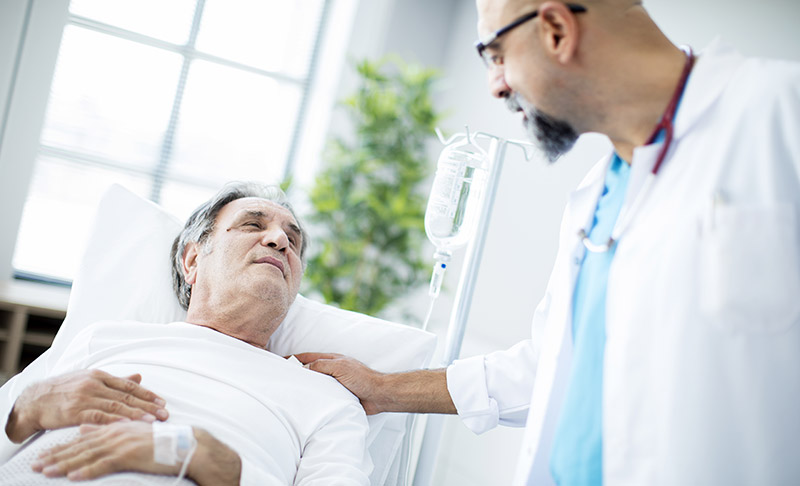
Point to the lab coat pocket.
(750, 267)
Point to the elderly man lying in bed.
(241, 414)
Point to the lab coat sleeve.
(496, 388)
(336, 453)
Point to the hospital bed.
(125, 274)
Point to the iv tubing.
(437, 276)
(428, 314)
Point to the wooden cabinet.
(30, 316)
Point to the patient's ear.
(190, 263)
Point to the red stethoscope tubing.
(669, 114)
(666, 124)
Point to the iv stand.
(426, 462)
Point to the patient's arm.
(86, 396)
(336, 453)
(420, 391)
(128, 446)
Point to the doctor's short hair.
(201, 224)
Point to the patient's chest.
(259, 404)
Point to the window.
(170, 99)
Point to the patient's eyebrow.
(251, 214)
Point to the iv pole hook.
(527, 148)
(447, 141)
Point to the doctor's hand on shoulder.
(362, 381)
(82, 397)
(418, 391)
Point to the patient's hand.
(361, 380)
(86, 396)
(128, 446)
(102, 450)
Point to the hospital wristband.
(173, 444)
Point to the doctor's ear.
(190, 263)
(559, 31)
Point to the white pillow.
(126, 274)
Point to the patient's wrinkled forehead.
(254, 206)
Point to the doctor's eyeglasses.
(481, 45)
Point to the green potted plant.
(368, 202)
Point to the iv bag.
(456, 196)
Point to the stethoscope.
(665, 124)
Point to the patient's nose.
(275, 237)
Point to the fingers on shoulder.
(306, 358)
(324, 366)
(335, 366)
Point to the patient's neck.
(252, 323)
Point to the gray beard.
(553, 137)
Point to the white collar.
(713, 69)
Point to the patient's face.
(254, 252)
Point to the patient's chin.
(277, 299)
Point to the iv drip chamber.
(456, 196)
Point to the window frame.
(27, 67)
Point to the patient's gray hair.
(200, 225)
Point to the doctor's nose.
(497, 82)
(275, 238)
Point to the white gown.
(289, 425)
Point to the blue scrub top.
(576, 457)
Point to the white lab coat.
(702, 362)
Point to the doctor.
(666, 350)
